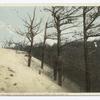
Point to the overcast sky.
(10, 19)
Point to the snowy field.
(16, 77)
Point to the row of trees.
(63, 19)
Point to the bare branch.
(68, 15)
(89, 9)
(25, 22)
(69, 27)
(46, 9)
(20, 32)
(38, 24)
(27, 35)
(88, 26)
(29, 17)
(59, 9)
(92, 26)
(95, 35)
(33, 18)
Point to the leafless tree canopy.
(32, 29)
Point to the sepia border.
(41, 5)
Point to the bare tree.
(63, 18)
(88, 24)
(32, 29)
(43, 49)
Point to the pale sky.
(10, 18)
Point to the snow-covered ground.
(17, 77)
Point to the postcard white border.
(48, 4)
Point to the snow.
(95, 44)
(17, 77)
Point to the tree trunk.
(29, 60)
(60, 73)
(43, 50)
(55, 69)
(30, 53)
(87, 75)
(59, 68)
(55, 73)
